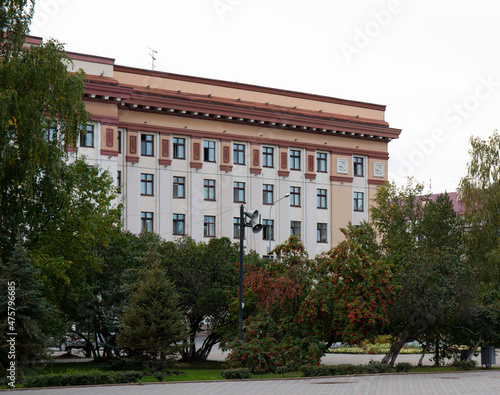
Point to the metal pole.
(242, 238)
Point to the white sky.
(435, 64)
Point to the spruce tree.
(153, 323)
(24, 311)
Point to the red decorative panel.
(133, 144)
(196, 151)
(256, 157)
(109, 137)
(165, 147)
(310, 163)
(284, 160)
(225, 155)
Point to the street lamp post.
(256, 228)
(269, 249)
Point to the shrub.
(342, 369)
(159, 375)
(403, 367)
(315, 370)
(374, 367)
(236, 374)
(465, 365)
(87, 378)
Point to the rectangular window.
(236, 227)
(295, 228)
(321, 234)
(267, 194)
(119, 141)
(209, 189)
(358, 201)
(267, 229)
(209, 226)
(179, 224)
(52, 133)
(179, 148)
(295, 196)
(179, 187)
(358, 166)
(209, 151)
(321, 198)
(239, 192)
(147, 145)
(146, 184)
(294, 159)
(87, 137)
(119, 181)
(239, 154)
(321, 162)
(267, 157)
(146, 221)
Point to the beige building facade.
(186, 152)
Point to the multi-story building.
(187, 152)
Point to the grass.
(195, 371)
(373, 349)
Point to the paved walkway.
(451, 383)
(465, 383)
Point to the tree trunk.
(424, 351)
(392, 354)
(476, 346)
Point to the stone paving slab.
(465, 383)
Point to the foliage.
(24, 310)
(293, 302)
(351, 293)
(480, 192)
(153, 324)
(94, 377)
(36, 94)
(236, 374)
(205, 275)
(403, 367)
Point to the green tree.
(437, 289)
(24, 310)
(480, 192)
(423, 239)
(205, 275)
(153, 322)
(37, 94)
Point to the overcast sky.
(435, 64)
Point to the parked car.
(71, 340)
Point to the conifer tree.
(153, 324)
(24, 311)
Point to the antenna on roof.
(153, 59)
